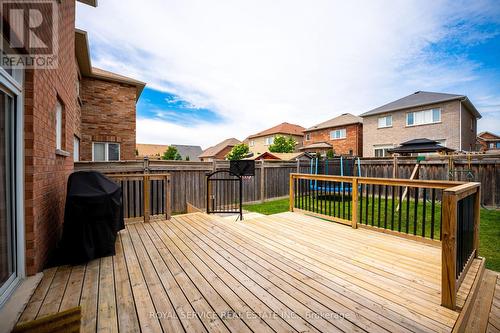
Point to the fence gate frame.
(212, 208)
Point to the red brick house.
(488, 142)
(342, 134)
(51, 118)
(219, 151)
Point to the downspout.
(460, 130)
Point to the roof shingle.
(342, 120)
(283, 128)
(214, 150)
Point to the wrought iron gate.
(224, 193)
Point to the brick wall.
(46, 172)
(108, 115)
(448, 129)
(353, 141)
(259, 143)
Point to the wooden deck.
(280, 273)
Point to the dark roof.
(421, 98)
(186, 150)
(342, 120)
(421, 145)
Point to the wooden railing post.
(168, 198)
(262, 182)
(146, 197)
(292, 193)
(354, 193)
(477, 218)
(449, 250)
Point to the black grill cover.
(92, 217)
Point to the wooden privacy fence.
(145, 196)
(442, 213)
(188, 179)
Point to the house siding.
(352, 143)
(46, 173)
(221, 155)
(108, 115)
(260, 145)
(448, 129)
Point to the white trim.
(385, 126)
(106, 150)
(423, 123)
(342, 131)
(15, 86)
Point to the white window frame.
(106, 151)
(269, 140)
(251, 143)
(423, 122)
(13, 83)
(59, 126)
(383, 148)
(385, 119)
(76, 149)
(342, 135)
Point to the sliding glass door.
(8, 232)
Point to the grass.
(489, 238)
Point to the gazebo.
(422, 145)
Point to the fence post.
(146, 196)
(262, 182)
(168, 198)
(449, 250)
(292, 201)
(354, 194)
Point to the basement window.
(105, 151)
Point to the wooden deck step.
(484, 308)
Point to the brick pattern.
(448, 129)
(45, 172)
(108, 115)
(221, 155)
(353, 143)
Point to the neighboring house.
(150, 150)
(219, 151)
(488, 142)
(192, 152)
(259, 143)
(342, 134)
(49, 115)
(282, 156)
(449, 119)
(108, 109)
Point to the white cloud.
(257, 63)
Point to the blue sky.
(229, 68)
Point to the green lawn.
(489, 246)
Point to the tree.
(171, 154)
(238, 152)
(330, 154)
(318, 156)
(187, 158)
(282, 144)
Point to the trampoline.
(342, 166)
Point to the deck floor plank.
(282, 273)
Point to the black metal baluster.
(415, 212)
(400, 205)
(385, 207)
(408, 210)
(373, 203)
(367, 186)
(433, 208)
(361, 203)
(349, 190)
(424, 211)
(379, 202)
(329, 198)
(392, 206)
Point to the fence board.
(189, 178)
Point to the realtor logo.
(29, 34)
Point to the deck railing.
(145, 196)
(444, 213)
